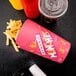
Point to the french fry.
(11, 32)
(7, 41)
(13, 43)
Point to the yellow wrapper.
(16, 4)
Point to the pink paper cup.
(40, 41)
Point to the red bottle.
(31, 8)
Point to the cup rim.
(53, 16)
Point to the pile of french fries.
(11, 32)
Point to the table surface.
(65, 26)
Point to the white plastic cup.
(53, 9)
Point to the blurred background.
(12, 62)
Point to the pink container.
(40, 41)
